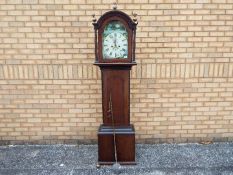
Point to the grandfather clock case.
(115, 34)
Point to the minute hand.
(115, 40)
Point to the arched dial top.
(112, 14)
(115, 41)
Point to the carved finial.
(93, 18)
(135, 17)
(114, 7)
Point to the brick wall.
(181, 89)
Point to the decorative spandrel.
(115, 41)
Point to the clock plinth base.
(125, 145)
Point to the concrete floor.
(159, 159)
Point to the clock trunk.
(115, 87)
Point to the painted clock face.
(115, 41)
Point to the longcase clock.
(115, 34)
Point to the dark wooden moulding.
(115, 75)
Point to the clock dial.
(115, 41)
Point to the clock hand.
(115, 40)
